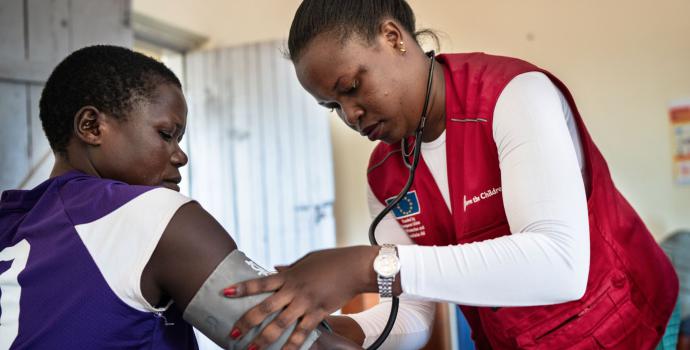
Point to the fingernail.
(253, 346)
(230, 291)
(235, 333)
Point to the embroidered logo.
(405, 212)
(478, 198)
(408, 206)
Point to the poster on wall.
(680, 127)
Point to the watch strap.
(385, 284)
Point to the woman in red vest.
(512, 214)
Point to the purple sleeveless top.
(64, 302)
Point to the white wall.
(225, 22)
(624, 60)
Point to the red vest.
(631, 288)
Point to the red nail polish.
(230, 291)
(253, 346)
(235, 333)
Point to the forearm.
(347, 327)
(333, 341)
(501, 272)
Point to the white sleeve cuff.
(412, 327)
(408, 269)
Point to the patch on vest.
(405, 211)
(482, 196)
(408, 206)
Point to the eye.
(165, 136)
(353, 87)
(332, 106)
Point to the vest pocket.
(620, 324)
(609, 314)
(561, 333)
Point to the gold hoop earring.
(402, 47)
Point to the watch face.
(386, 265)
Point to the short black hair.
(344, 18)
(111, 78)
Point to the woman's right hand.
(306, 292)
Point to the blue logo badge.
(408, 206)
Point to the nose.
(179, 158)
(351, 114)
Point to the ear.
(87, 125)
(392, 35)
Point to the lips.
(172, 183)
(372, 131)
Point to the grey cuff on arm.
(214, 315)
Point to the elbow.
(580, 284)
(423, 338)
(569, 281)
(577, 289)
(573, 284)
(580, 274)
(575, 272)
(416, 340)
(567, 288)
(403, 340)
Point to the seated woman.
(106, 254)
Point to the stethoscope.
(416, 151)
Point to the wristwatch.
(386, 265)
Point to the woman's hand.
(306, 291)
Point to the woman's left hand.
(306, 291)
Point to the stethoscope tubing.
(410, 179)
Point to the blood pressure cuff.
(214, 315)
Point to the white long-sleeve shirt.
(545, 258)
